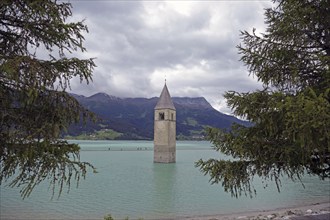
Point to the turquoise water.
(128, 183)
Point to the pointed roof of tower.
(165, 100)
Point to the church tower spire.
(165, 100)
(165, 129)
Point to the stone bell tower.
(165, 129)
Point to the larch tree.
(290, 132)
(36, 65)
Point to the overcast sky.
(191, 43)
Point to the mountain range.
(132, 118)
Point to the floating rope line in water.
(131, 149)
(116, 149)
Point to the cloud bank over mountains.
(191, 43)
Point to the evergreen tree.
(290, 134)
(34, 104)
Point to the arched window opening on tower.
(172, 116)
(161, 116)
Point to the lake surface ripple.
(129, 184)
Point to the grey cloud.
(131, 47)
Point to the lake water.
(128, 183)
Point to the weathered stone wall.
(165, 136)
